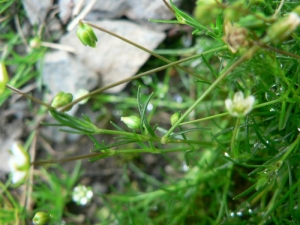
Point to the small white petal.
(239, 106)
(83, 201)
(238, 97)
(18, 176)
(19, 155)
(229, 104)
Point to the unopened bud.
(41, 218)
(86, 35)
(283, 28)
(174, 118)
(3, 77)
(35, 42)
(133, 122)
(207, 11)
(251, 22)
(62, 99)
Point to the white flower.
(19, 163)
(239, 106)
(82, 194)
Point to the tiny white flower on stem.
(19, 163)
(82, 194)
(239, 106)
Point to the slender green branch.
(243, 58)
(108, 153)
(146, 50)
(234, 148)
(29, 97)
(141, 75)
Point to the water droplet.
(149, 107)
(178, 98)
(239, 213)
(232, 214)
(250, 210)
(117, 113)
(272, 110)
(226, 154)
(185, 167)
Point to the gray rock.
(37, 10)
(138, 10)
(115, 59)
(64, 72)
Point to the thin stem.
(29, 97)
(243, 58)
(234, 148)
(108, 153)
(226, 113)
(140, 75)
(169, 7)
(278, 9)
(146, 50)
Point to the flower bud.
(62, 99)
(251, 22)
(86, 35)
(3, 77)
(207, 11)
(282, 29)
(35, 42)
(132, 122)
(41, 218)
(174, 118)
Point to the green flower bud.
(62, 99)
(3, 77)
(132, 122)
(206, 11)
(86, 35)
(297, 10)
(251, 22)
(174, 118)
(35, 42)
(41, 218)
(282, 29)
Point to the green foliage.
(227, 170)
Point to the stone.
(37, 10)
(113, 58)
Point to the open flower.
(82, 194)
(239, 106)
(19, 163)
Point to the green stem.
(291, 148)
(224, 195)
(226, 113)
(146, 50)
(243, 58)
(140, 75)
(110, 152)
(234, 148)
